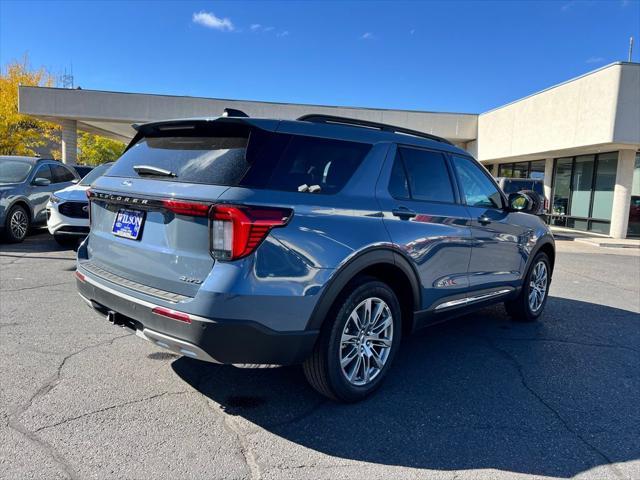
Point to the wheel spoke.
(377, 358)
(348, 339)
(367, 313)
(366, 367)
(356, 367)
(346, 360)
(381, 327)
(380, 342)
(355, 318)
(377, 314)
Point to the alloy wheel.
(366, 341)
(19, 224)
(538, 286)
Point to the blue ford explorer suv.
(320, 241)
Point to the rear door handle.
(404, 213)
(484, 220)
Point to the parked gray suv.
(26, 183)
(320, 241)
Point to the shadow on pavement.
(39, 241)
(556, 397)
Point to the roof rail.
(319, 118)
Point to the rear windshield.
(90, 177)
(258, 159)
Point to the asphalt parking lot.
(479, 397)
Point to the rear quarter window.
(324, 165)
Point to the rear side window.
(258, 159)
(421, 175)
(316, 162)
(62, 174)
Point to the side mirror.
(520, 202)
(41, 182)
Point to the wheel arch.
(383, 263)
(24, 203)
(546, 245)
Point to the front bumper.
(208, 339)
(59, 224)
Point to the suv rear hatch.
(149, 213)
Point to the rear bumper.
(210, 339)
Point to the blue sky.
(438, 56)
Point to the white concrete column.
(548, 178)
(622, 194)
(69, 141)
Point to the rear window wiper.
(151, 170)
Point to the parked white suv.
(68, 209)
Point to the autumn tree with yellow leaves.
(23, 135)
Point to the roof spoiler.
(232, 112)
(228, 112)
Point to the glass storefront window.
(583, 191)
(521, 170)
(633, 230)
(536, 170)
(604, 185)
(581, 186)
(561, 190)
(505, 170)
(533, 170)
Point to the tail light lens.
(236, 231)
(89, 193)
(186, 208)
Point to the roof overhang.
(112, 113)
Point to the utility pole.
(630, 48)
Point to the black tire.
(13, 233)
(323, 370)
(66, 241)
(520, 309)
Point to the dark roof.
(326, 130)
(24, 158)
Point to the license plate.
(128, 223)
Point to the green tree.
(21, 134)
(94, 149)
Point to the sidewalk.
(594, 239)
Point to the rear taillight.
(88, 193)
(79, 276)
(236, 230)
(186, 208)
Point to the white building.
(581, 136)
